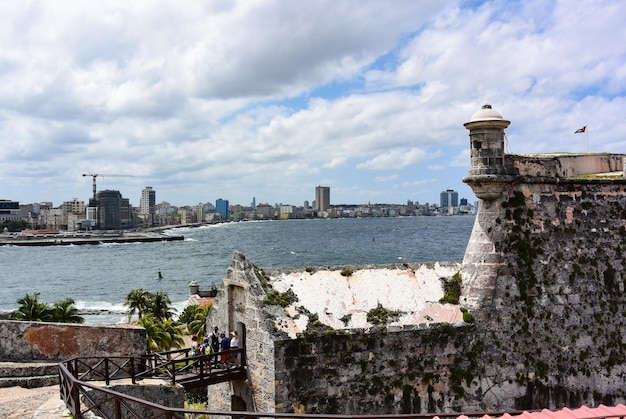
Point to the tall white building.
(147, 205)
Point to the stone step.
(30, 382)
(28, 374)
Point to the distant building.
(322, 198)
(449, 198)
(108, 204)
(71, 212)
(111, 211)
(287, 211)
(9, 210)
(198, 210)
(264, 211)
(147, 206)
(221, 207)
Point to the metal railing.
(176, 367)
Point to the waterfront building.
(9, 210)
(71, 212)
(109, 205)
(199, 212)
(287, 211)
(43, 217)
(221, 208)
(147, 206)
(111, 211)
(74, 206)
(449, 198)
(264, 211)
(322, 198)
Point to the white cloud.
(270, 98)
(385, 178)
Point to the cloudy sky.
(270, 98)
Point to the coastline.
(81, 239)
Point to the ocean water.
(98, 277)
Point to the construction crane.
(95, 175)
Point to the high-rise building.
(449, 198)
(147, 205)
(221, 207)
(322, 198)
(109, 204)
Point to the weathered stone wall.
(378, 372)
(239, 306)
(164, 395)
(544, 277)
(36, 341)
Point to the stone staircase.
(29, 374)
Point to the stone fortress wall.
(543, 279)
(543, 272)
(24, 341)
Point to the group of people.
(217, 342)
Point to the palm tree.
(31, 309)
(138, 301)
(197, 325)
(160, 306)
(66, 312)
(172, 333)
(149, 323)
(161, 335)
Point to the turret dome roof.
(486, 113)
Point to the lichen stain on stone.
(53, 340)
(569, 215)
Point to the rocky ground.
(35, 403)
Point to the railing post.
(75, 396)
(132, 369)
(117, 408)
(106, 371)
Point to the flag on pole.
(583, 129)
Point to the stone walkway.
(35, 403)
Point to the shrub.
(451, 289)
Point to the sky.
(267, 99)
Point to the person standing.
(234, 340)
(215, 344)
(224, 347)
(234, 344)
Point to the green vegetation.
(282, 299)
(13, 226)
(381, 315)
(451, 289)
(347, 272)
(155, 314)
(467, 316)
(194, 316)
(30, 309)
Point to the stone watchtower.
(489, 179)
(487, 166)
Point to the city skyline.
(265, 99)
(148, 201)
